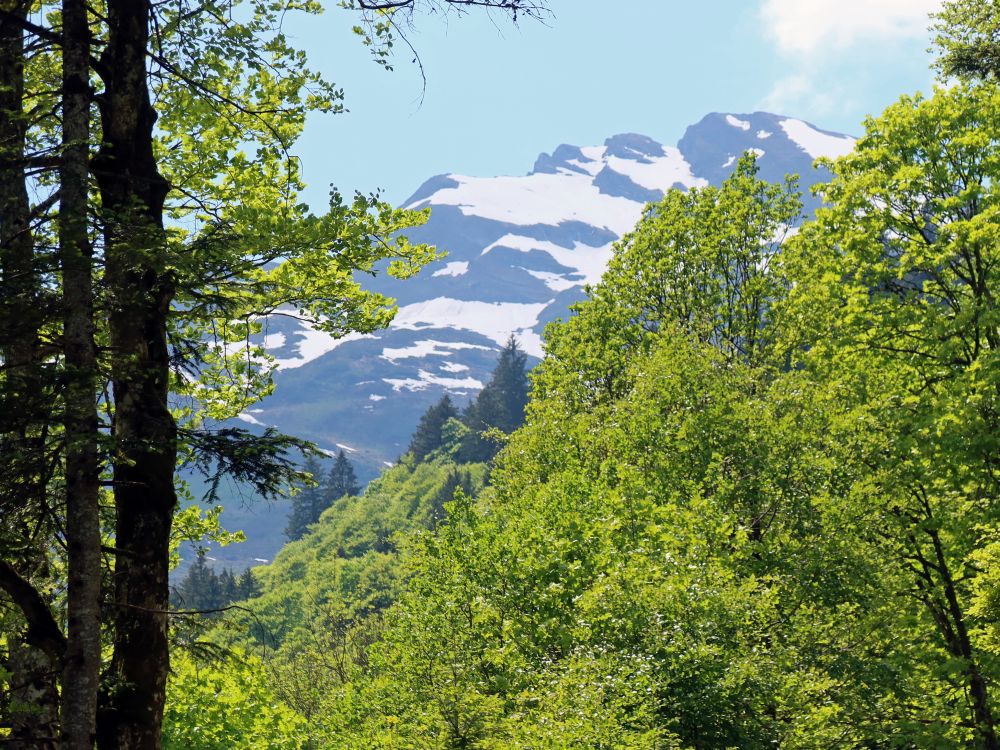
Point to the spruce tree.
(429, 435)
(509, 387)
(499, 405)
(205, 590)
(200, 588)
(227, 592)
(339, 482)
(307, 504)
(247, 586)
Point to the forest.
(749, 498)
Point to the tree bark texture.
(140, 291)
(34, 652)
(82, 661)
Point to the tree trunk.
(140, 291)
(33, 656)
(961, 646)
(82, 661)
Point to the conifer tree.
(339, 482)
(499, 405)
(429, 435)
(205, 590)
(227, 588)
(200, 588)
(247, 586)
(307, 504)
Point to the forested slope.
(753, 504)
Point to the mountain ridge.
(521, 250)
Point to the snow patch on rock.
(455, 268)
(659, 172)
(427, 348)
(426, 379)
(589, 261)
(530, 342)
(548, 199)
(494, 320)
(815, 143)
(315, 344)
(737, 122)
(557, 282)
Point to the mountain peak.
(564, 157)
(520, 250)
(633, 146)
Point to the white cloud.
(805, 26)
(801, 92)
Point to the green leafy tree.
(895, 309)
(654, 564)
(700, 260)
(968, 39)
(349, 560)
(456, 481)
(212, 705)
(635, 559)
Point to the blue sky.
(497, 94)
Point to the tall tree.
(499, 405)
(141, 288)
(82, 660)
(28, 409)
(341, 479)
(895, 307)
(429, 436)
(309, 502)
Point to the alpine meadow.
(732, 481)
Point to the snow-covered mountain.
(520, 250)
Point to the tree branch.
(43, 631)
